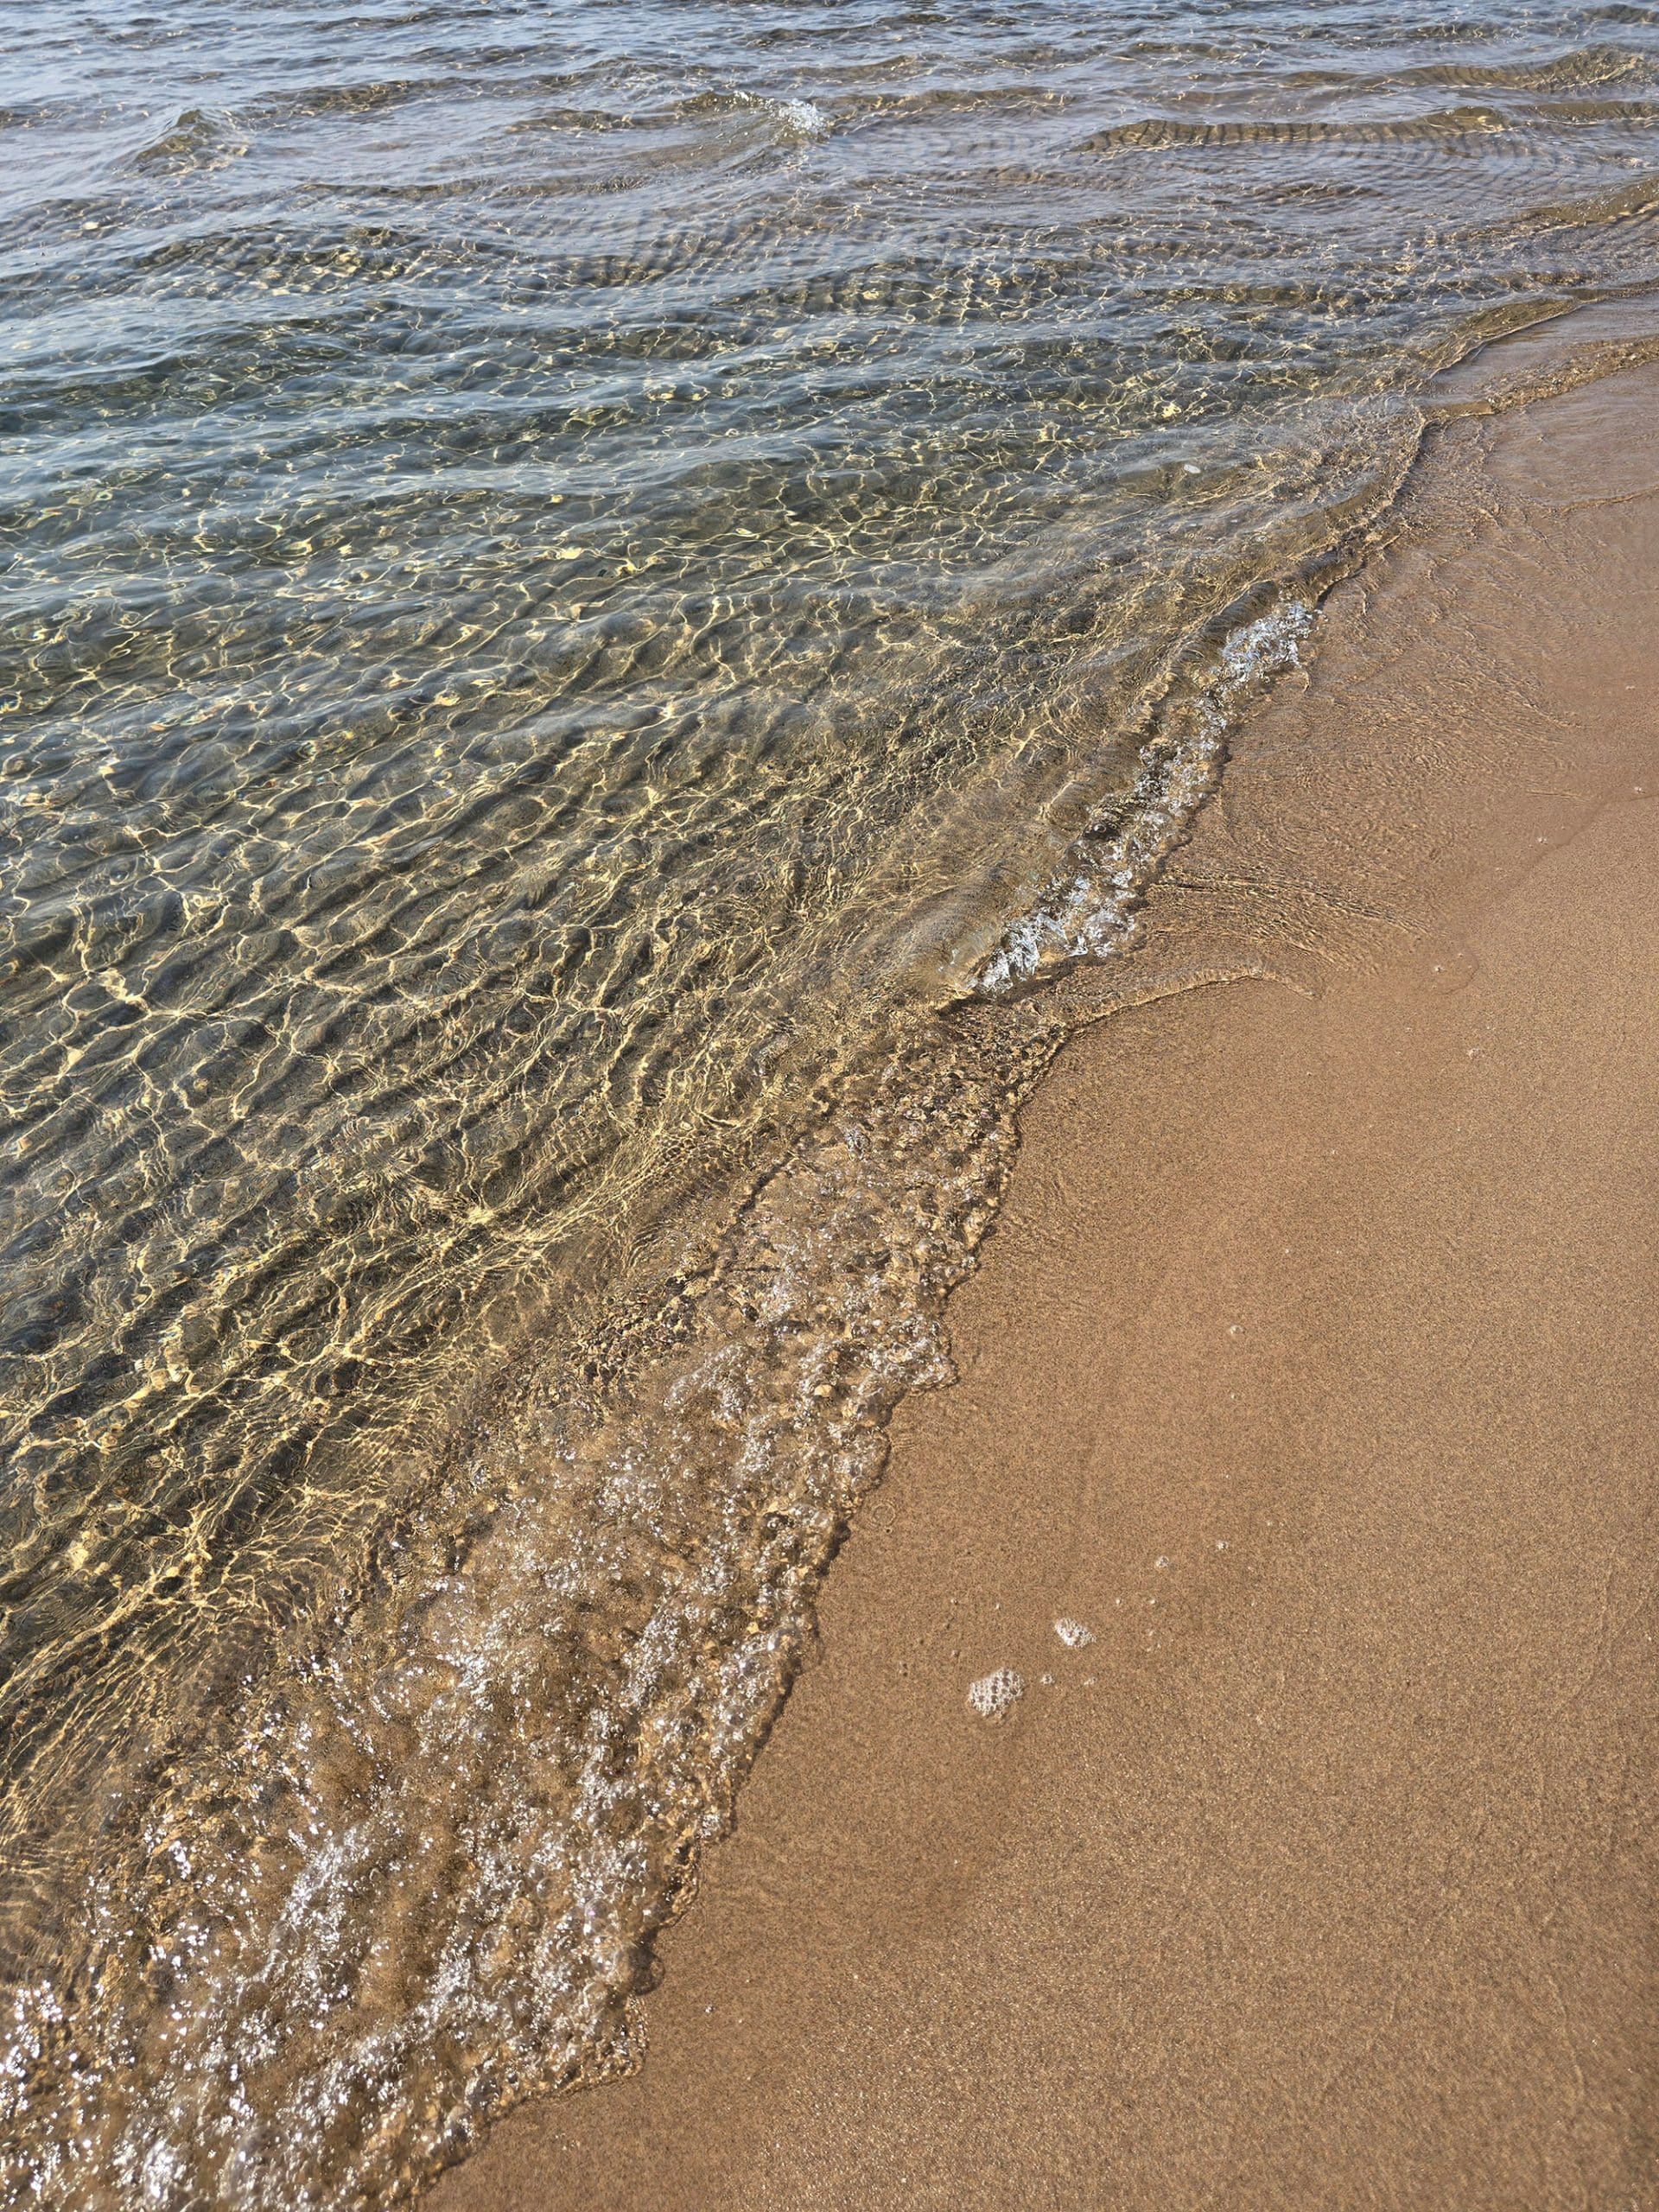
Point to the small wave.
(1638, 201)
(1560, 72)
(794, 118)
(1580, 111)
(940, 102)
(650, 141)
(571, 118)
(199, 138)
(1088, 911)
(1164, 133)
(307, 101)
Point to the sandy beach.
(1310, 1369)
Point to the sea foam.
(1088, 910)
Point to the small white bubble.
(1073, 1635)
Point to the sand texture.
(1310, 1370)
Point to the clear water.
(589, 589)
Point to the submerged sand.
(1311, 1368)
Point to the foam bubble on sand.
(1073, 1635)
(994, 1695)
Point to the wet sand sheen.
(1310, 1366)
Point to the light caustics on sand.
(594, 601)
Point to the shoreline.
(616, 618)
(1292, 1291)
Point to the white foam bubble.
(803, 119)
(994, 1695)
(1073, 1635)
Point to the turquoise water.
(575, 576)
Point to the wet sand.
(1310, 1367)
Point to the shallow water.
(577, 576)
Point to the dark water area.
(594, 595)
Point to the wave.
(1559, 73)
(1628, 203)
(367, 96)
(1163, 133)
(197, 139)
(792, 117)
(1088, 912)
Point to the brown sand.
(1312, 1368)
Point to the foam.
(803, 119)
(994, 1696)
(1089, 911)
(798, 118)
